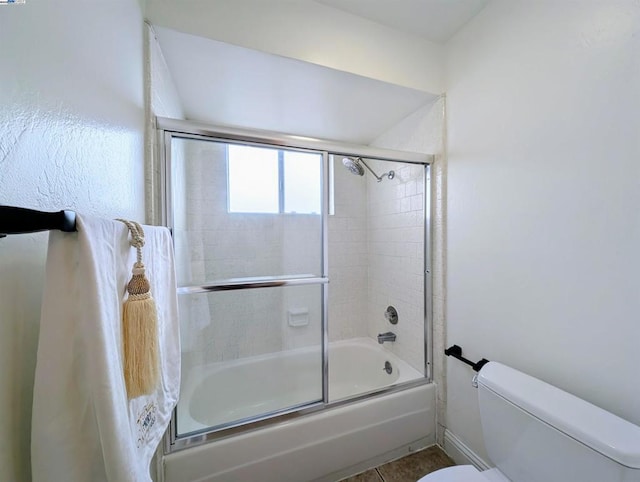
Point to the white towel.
(84, 429)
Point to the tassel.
(139, 327)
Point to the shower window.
(264, 180)
(253, 176)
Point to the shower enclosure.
(303, 275)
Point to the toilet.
(534, 432)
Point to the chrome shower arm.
(370, 170)
(389, 174)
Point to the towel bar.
(456, 352)
(15, 220)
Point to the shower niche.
(288, 252)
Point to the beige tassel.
(140, 327)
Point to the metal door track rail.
(249, 283)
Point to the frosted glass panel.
(248, 353)
(213, 242)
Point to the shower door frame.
(167, 129)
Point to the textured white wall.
(71, 136)
(164, 100)
(544, 189)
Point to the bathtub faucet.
(388, 336)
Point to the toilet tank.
(535, 432)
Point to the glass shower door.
(248, 225)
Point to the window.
(265, 180)
(253, 180)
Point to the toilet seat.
(464, 473)
(457, 473)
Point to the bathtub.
(324, 445)
(356, 366)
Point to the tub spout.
(388, 336)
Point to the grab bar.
(456, 352)
(15, 220)
(250, 283)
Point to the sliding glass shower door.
(248, 222)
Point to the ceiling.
(435, 20)
(224, 84)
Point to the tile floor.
(407, 469)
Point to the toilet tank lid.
(604, 432)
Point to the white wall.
(164, 100)
(71, 136)
(161, 100)
(544, 189)
(311, 32)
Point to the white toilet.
(535, 432)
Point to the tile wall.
(376, 257)
(219, 245)
(348, 255)
(425, 131)
(395, 219)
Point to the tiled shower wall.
(376, 257)
(348, 258)
(395, 218)
(221, 245)
(424, 131)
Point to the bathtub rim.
(239, 427)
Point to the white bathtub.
(321, 446)
(357, 366)
(225, 392)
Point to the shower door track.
(238, 427)
(190, 128)
(167, 129)
(251, 283)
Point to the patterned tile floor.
(406, 469)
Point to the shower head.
(353, 165)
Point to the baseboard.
(461, 453)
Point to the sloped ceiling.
(219, 83)
(308, 90)
(435, 20)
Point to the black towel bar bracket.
(456, 352)
(14, 220)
